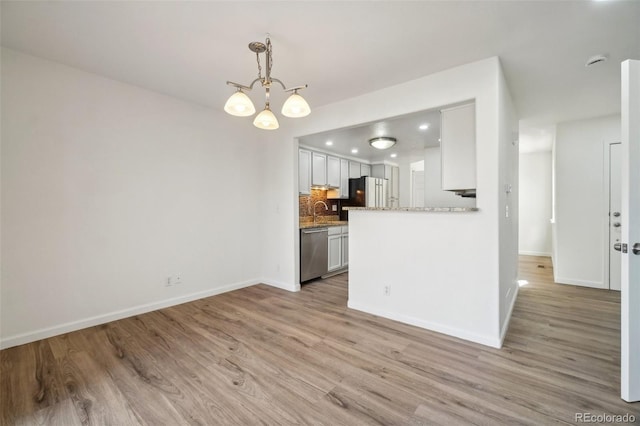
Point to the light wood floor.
(265, 356)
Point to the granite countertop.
(416, 209)
(307, 225)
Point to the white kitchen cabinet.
(458, 147)
(342, 192)
(318, 169)
(354, 170)
(345, 249)
(304, 172)
(333, 172)
(338, 255)
(344, 178)
(335, 252)
(365, 170)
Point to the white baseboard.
(582, 283)
(283, 286)
(534, 253)
(68, 327)
(505, 326)
(494, 342)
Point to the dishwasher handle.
(314, 231)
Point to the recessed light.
(424, 126)
(354, 151)
(394, 155)
(328, 143)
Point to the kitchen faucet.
(326, 207)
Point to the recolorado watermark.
(604, 418)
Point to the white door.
(615, 226)
(630, 235)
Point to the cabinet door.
(365, 170)
(344, 178)
(345, 250)
(458, 147)
(304, 172)
(333, 172)
(354, 170)
(319, 169)
(335, 252)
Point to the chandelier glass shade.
(240, 105)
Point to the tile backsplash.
(307, 202)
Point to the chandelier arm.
(281, 83)
(239, 86)
(291, 89)
(255, 81)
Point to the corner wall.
(508, 208)
(109, 189)
(581, 209)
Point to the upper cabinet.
(318, 169)
(304, 172)
(333, 172)
(354, 170)
(365, 170)
(458, 149)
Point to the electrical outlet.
(169, 282)
(387, 290)
(334, 208)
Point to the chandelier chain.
(259, 66)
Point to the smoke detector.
(596, 59)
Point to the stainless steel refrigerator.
(369, 192)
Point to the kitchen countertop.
(308, 225)
(416, 209)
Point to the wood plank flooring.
(266, 356)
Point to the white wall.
(107, 189)
(508, 211)
(580, 200)
(474, 302)
(535, 203)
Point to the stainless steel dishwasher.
(313, 253)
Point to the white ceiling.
(341, 48)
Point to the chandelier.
(240, 105)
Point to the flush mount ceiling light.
(383, 142)
(596, 59)
(240, 105)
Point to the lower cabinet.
(338, 256)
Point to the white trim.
(505, 326)
(582, 283)
(282, 286)
(494, 342)
(68, 327)
(534, 253)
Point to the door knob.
(616, 225)
(636, 248)
(616, 214)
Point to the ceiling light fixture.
(424, 126)
(240, 105)
(383, 142)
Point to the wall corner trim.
(505, 326)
